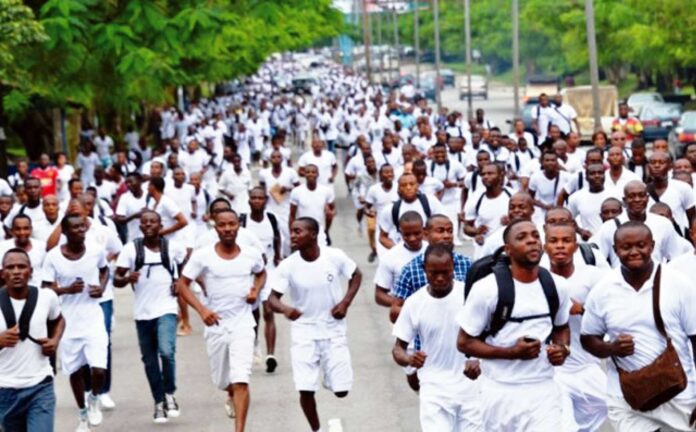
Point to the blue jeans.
(30, 409)
(157, 339)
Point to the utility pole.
(379, 44)
(467, 38)
(396, 42)
(366, 40)
(516, 54)
(436, 22)
(594, 71)
(416, 41)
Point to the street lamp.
(436, 23)
(594, 71)
(467, 38)
(516, 53)
(366, 40)
(416, 42)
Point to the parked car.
(658, 119)
(448, 77)
(427, 87)
(479, 87)
(636, 100)
(684, 133)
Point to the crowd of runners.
(572, 311)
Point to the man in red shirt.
(47, 174)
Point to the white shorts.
(584, 397)
(670, 416)
(230, 354)
(89, 350)
(532, 407)
(331, 357)
(459, 411)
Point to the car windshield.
(689, 121)
(645, 97)
(666, 111)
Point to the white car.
(637, 100)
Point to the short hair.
(310, 223)
(510, 226)
(612, 199)
(558, 208)
(660, 206)
(383, 167)
(438, 251)
(637, 143)
(686, 147)
(15, 250)
(216, 201)
(560, 225)
(135, 174)
(411, 216)
(628, 225)
(433, 218)
(440, 146)
(419, 163)
(227, 210)
(65, 222)
(32, 179)
(73, 181)
(157, 183)
(21, 216)
(594, 150)
(148, 211)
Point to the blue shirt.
(413, 277)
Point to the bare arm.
(382, 296)
(180, 222)
(184, 288)
(475, 347)
(385, 240)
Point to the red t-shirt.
(48, 177)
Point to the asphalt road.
(380, 399)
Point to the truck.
(580, 98)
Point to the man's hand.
(210, 318)
(505, 220)
(557, 354)
(577, 308)
(292, 314)
(623, 346)
(449, 184)
(95, 291)
(585, 234)
(340, 310)
(133, 277)
(10, 337)
(76, 287)
(479, 239)
(417, 359)
(524, 350)
(472, 369)
(482, 230)
(252, 296)
(49, 346)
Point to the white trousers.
(584, 398)
(671, 416)
(447, 409)
(532, 407)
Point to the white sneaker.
(229, 408)
(83, 426)
(94, 411)
(160, 415)
(171, 406)
(107, 403)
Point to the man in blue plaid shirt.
(439, 230)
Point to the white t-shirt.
(288, 178)
(5, 189)
(434, 321)
(455, 173)
(153, 296)
(529, 300)
(36, 214)
(106, 190)
(679, 196)
(263, 231)
(618, 186)
(379, 198)
(25, 365)
(103, 145)
(37, 253)
(392, 262)
(545, 189)
(324, 162)
(42, 230)
(489, 214)
(183, 197)
(386, 222)
(563, 117)
(86, 164)
(128, 205)
(227, 284)
(83, 315)
(614, 307)
(430, 186)
(312, 203)
(586, 206)
(238, 185)
(167, 209)
(315, 288)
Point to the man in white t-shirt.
(586, 203)
(565, 117)
(27, 396)
(312, 277)
(449, 400)
(235, 183)
(77, 271)
(546, 185)
(543, 116)
(32, 208)
(22, 238)
(130, 204)
(324, 160)
(142, 264)
(232, 279)
(313, 200)
(581, 377)
(619, 322)
(520, 389)
(104, 145)
(173, 220)
(679, 196)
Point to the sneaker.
(160, 415)
(229, 408)
(94, 410)
(271, 363)
(83, 426)
(107, 403)
(372, 257)
(171, 405)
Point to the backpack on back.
(396, 208)
(25, 316)
(164, 256)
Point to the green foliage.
(116, 55)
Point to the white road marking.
(335, 425)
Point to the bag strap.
(274, 225)
(555, 184)
(506, 298)
(425, 204)
(7, 309)
(395, 213)
(659, 323)
(478, 203)
(581, 179)
(243, 220)
(653, 192)
(587, 254)
(24, 317)
(474, 179)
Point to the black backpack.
(498, 264)
(25, 317)
(447, 168)
(587, 254)
(271, 218)
(480, 200)
(397, 207)
(164, 256)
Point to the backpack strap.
(22, 208)
(243, 220)
(478, 203)
(581, 179)
(474, 180)
(587, 254)
(102, 220)
(555, 184)
(274, 224)
(396, 207)
(425, 204)
(506, 299)
(139, 253)
(24, 317)
(164, 255)
(653, 192)
(616, 221)
(206, 195)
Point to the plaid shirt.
(413, 278)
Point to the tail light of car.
(651, 122)
(687, 137)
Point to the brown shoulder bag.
(650, 386)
